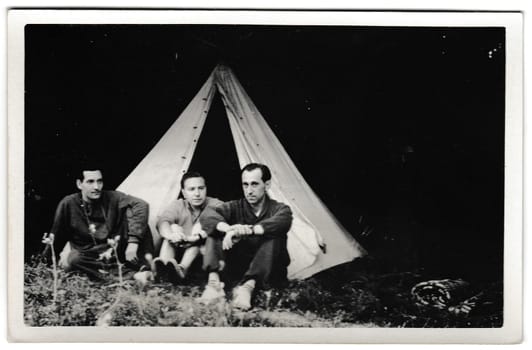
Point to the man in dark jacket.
(248, 236)
(84, 221)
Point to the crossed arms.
(235, 219)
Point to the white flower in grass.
(48, 238)
(113, 242)
(107, 255)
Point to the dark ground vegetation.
(350, 295)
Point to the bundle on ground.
(440, 293)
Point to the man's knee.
(272, 254)
(273, 246)
(72, 259)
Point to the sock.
(250, 284)
(213, 277)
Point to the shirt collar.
(267, 201)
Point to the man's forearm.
(278, 224)
(137, 213)
(223, 226)
(240, 229)
(164, 229)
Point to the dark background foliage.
(400, 131)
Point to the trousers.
(85, 261)
(88, 261)
(263, 259)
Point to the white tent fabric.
(157, 178)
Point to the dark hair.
(87, 166)
(266, 174)
(189, 175)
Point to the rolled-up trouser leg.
(268, 265)
(213, 254)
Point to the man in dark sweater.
(248, 237)
(85, 220)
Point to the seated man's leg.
(213, 254)
(145, 250)
(167, 251)
(212, 263)
(85, 261)
(166, 265)
(268, 266)
(190, 254)
(161, 263)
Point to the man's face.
(195, 191)
(91, 185)
(253, 186)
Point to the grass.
(347, 296)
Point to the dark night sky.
(402, 126)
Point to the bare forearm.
(223, 226)
(164, 229)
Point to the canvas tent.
(157, 177)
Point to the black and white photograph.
(320, 171)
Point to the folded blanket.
(440, 294)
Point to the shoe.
(174, 271)
(213, 290)
(161, 272)
(143, 277)
(242, 297)
(145, 267)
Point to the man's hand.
(197, 236)
(242, 230)
(131, 252)
(227, 243)
(176, 235)
(197, 233)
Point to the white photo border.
(511, 332)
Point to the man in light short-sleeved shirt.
(180, 229)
